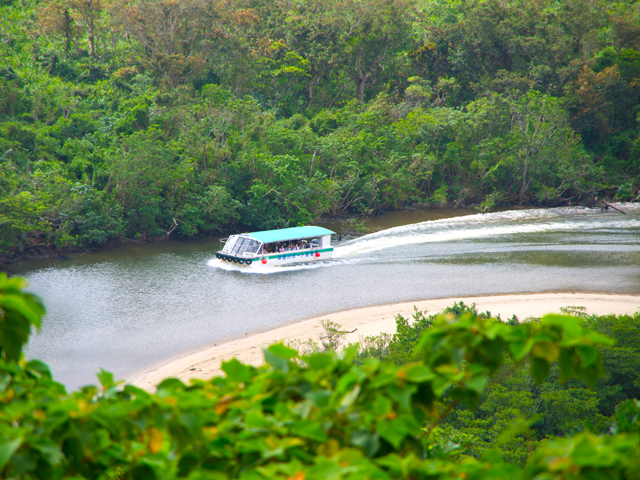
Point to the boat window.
(228, 247)
(245, 245)
(239, 247)
(252, 246)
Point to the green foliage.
(19, 311)
(513, 397)
(281, 114)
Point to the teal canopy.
(284, 234)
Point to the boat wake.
(258, 268)
(493, 225)
(498, 225)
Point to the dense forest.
(142, 119)
(458, 396)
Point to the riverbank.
(381, 220)
(205, 363)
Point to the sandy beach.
(205, 363)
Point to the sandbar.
(368, 321)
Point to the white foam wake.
(469, 227)
(490, 225)
(261, 269)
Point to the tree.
(172, 37)
(67, 19)
(372, 33)
(313, 30)
(541, 145)
(147, 180)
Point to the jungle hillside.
(144, 119)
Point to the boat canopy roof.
(284, 234)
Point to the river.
(125, 309)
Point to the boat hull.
(286, 258)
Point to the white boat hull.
(285, 258)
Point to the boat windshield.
(229, 243)
(245, 245)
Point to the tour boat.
(278, 247)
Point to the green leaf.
(320, 398)
(477, 383)
(546, 350)
(599, 338)
(106, 379)
(51, 452)
(570, 325)
(255, 419)
(418, 373)
(381, 406)
(72, 448)
(393, 431)
(566, 365)
(350, 398)
(588, 355)
(5, 381)
(402, 395)
(276, 361)
(39, 368)
(310, 430)
(18, 304)
(367, 441)
(236, 371)
(7, 450)
(318, 361)
(519, 349)
(282, 351)
(349, 352)
(168, 386)
(539, 369)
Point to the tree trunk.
(92, 39)
(360, 78)
(361, 90)
(310, 92)
(523, 186)
(66, 22)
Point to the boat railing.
(312, 246)
(234, 249)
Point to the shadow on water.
(127, 308)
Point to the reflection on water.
(128, 308)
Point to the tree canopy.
(123, 118)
